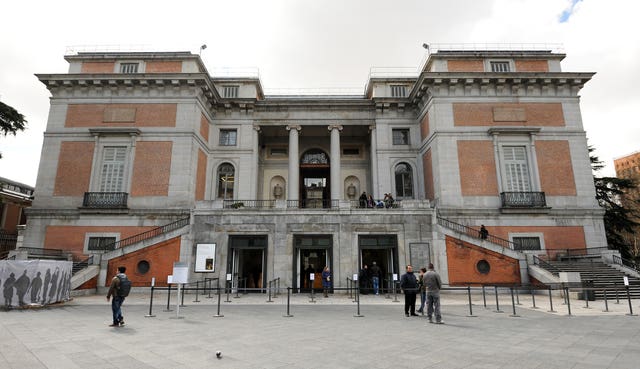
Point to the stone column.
(336, 180)
(256, 157)
(294, 165)
(375, 192)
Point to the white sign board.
(169, 279)
(180, 272)
(626, 280)
(355, 276)
(228, 276)
(312, 276)
(205, 258)
(395, 276)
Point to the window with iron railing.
(129, 68)
(500, 66)
(398, 91)
(526, 243)
(99, 243)
(230, 91)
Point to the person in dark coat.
(8, 289)
(36, 285)
(363, 200)
(326, 281)
(364, 280)
(409, 285)
(21, 285)
(375, 273)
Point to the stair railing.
(625, 262)
(148, 234)
(474, 233)
(545, 265)
(79, 265)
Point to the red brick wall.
(12, 217)
(554, 166)
(427, 166)
(475, 65)
(477, 168)
(481, 114)
(160, 258)
(204, 128)
(89, 285)
(71, 238)
(97, 67)
(74, 168)
(146, 115)
(532, 66)
(163, 67)
(555, 238)
(462, 258)
(201, 176)
(151, 169)
(424, 126)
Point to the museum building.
(148, 159)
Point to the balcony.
(523, 201)
(105, 200)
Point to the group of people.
(369, 279)
(428, 284)
(367, 201)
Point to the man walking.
(375, 277)
(433, 283)
(117, 291)
(409, 285)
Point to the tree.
(618, 220)
(10, 120)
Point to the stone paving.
(327, 333)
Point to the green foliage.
(618, 219)
(10, 120)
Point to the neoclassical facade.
(138, 142)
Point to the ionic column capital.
(335, 126)
(372, 127)
(294, 126)
(256, 127)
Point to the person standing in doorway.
(423, 290)
(326, 281)
(375, 277)
(409, 285)
(433, 284)
(116, 303)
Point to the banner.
(34, 282)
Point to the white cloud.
(323, 44)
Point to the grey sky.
(323, 44)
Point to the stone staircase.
(602, 275)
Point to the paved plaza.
(327, 333)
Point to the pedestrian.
(409, 285)
(423, 290)
(326, 281)
(375, 273)
(370, 202)
(363, 280)
(483, 232)
(433, 284)
(363, 200)
(115, 290)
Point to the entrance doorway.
(315, 172)
(247, 261)
(383, 250)
(312, 254)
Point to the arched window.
(226, 177)
(404, 181)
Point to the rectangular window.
(351, 152)
(129, 68)
(500, 66)
(516, 169)
(230, 91)
(99, 243)
(400, 136)
(228, 137)
(526, 243)
(398, 91)
(112, 173)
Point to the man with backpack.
(119, 289)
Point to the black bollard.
(513, 305)
(181, 290)
(228, 288)
(269, 286)
(566, 294)
(168, 298)
(288, 303)
(218, 315)
(629, 299)
(150, 315)
(484, 297)
(533, 298)
(497, 303)
(209, 286)
(550, 302)
(517, 297)
(358, 315)
(197, 288)
(606, 303)
(470, 306)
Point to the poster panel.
(205, 258)
(34, 282)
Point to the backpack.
(125, 285)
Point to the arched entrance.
(315, 171)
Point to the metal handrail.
(545, 265)
(626, 262)
(148, 234)
(475, 233)
(79, 265)
(305, 204)
(523, 199)
(248, 204)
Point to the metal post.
(150, 315)
(470, 308)
(533, 298)
(566, 293)
(517, 297)
(209, 280)
(358, 315)
(395, 293)
(181, 292)
(228, 288)
(269, 287)
(550, 302)
(629, 299)
(168, 298)
(565, 290)
(197, 288)
(497, 303)
(484, 297)
(606, 303)
(218, 315)
(238, 288)
(288, 302)
(513, 304)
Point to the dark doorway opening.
(383, 250)
(315, 191)
(312, 254)
(247, 261)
